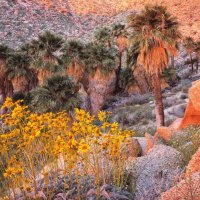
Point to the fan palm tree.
(57, 94)
(156, 31)
(73, 57)
(103, 37)
(100, 57)
(139, 74)
(119, 34)
(18, 71)
(46, 60)
(190, 47)
(5, 84)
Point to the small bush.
(187, 142)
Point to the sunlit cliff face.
(187, 11)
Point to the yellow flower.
(7, 103)
(84, 148)
(10, 171)
(102, 116)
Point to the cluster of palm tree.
(192, 46)
(43, 65)
(40, 69)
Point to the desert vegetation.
(59, 138)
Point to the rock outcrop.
(188, 188)
(191, 116)
(194, 164)
(131, 148)
(156, 172)
(185, 189)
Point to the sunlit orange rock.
(192, 113)
(194, 164)
(165, 132)
(150, 141)
(186, 189)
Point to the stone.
(194, 94)
(150, 142)
(192, 113)
(185, 189)
(155, 173)
(194, 164)
(191, 117)
(131, 148)
(143, 144)
(165, 132)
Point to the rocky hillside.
(22, 20)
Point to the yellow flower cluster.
(40, 140)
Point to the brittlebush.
(34, 145)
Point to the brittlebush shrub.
(34, 145)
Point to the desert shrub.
(187, 142)
(52, 144)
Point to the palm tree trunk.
(159, 108)
(118, 72)
(197, 68)
(191, 61)
(172, 62)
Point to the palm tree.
(156, 30)
(73, 58)
(103, 37)
(5, 84)
(57, 94)
(140, 76)
(18, 71)
(101, 66)
(100, 57)
(190, 47)
(46, 60)
(119, 34)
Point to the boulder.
(150, 142)
(191, 117)
(155, 173)
(194, 164)
(194, 94)
(185, 189)
(143, 144)
(192, 113)
(165, 132)
(131, 148)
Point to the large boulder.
(185, 189)
(155, 173)
(192, 114)
(194, 164)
